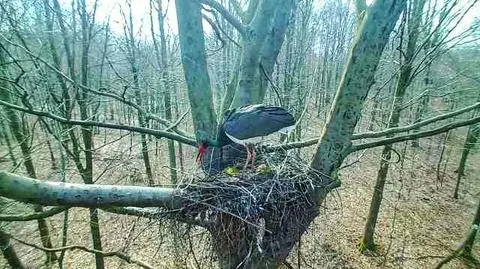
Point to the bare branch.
(226, 14)
(292, 145)
(361, 8)
(143, 130)
(177, 122)
(153, 214)
(101, 92)
(34, 216)
(413, 136)
(135, 211)
(31, 190)
(414, 126)
(390, 131)
(217, 32)
(117, 254)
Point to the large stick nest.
(274, 200)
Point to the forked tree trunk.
(248, 90)
(334, 144)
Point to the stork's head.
(202, 151)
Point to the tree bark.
(273, 44)
(192, 45)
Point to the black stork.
(247, 126)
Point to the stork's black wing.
(256, 120)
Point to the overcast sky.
(110, 9)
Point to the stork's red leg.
(254, 155)
(249, 156)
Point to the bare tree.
(255, 218)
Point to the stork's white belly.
(258, 139)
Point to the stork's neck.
(215, 143)
(219, 141)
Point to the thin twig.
(117, 254)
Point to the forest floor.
(419, 221)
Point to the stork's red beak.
(202, 150)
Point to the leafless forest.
(104, 104)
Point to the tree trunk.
(403, 82)
(6, 136)
(9, 252)
(87, 173)
(192, 45)
(248, 90)
(23, 140)
(468, 245)
(273, 44)
(356, 81)
(470, 141)
(465, 248)
(132, 57)
(163, 63)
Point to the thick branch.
(34, 216)
(117, 254)
(292, 145)
(413, 136)
(153, 214)
(49, 193)
(417, 125)
(143, 130)
(390, 131)
(226, 15)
